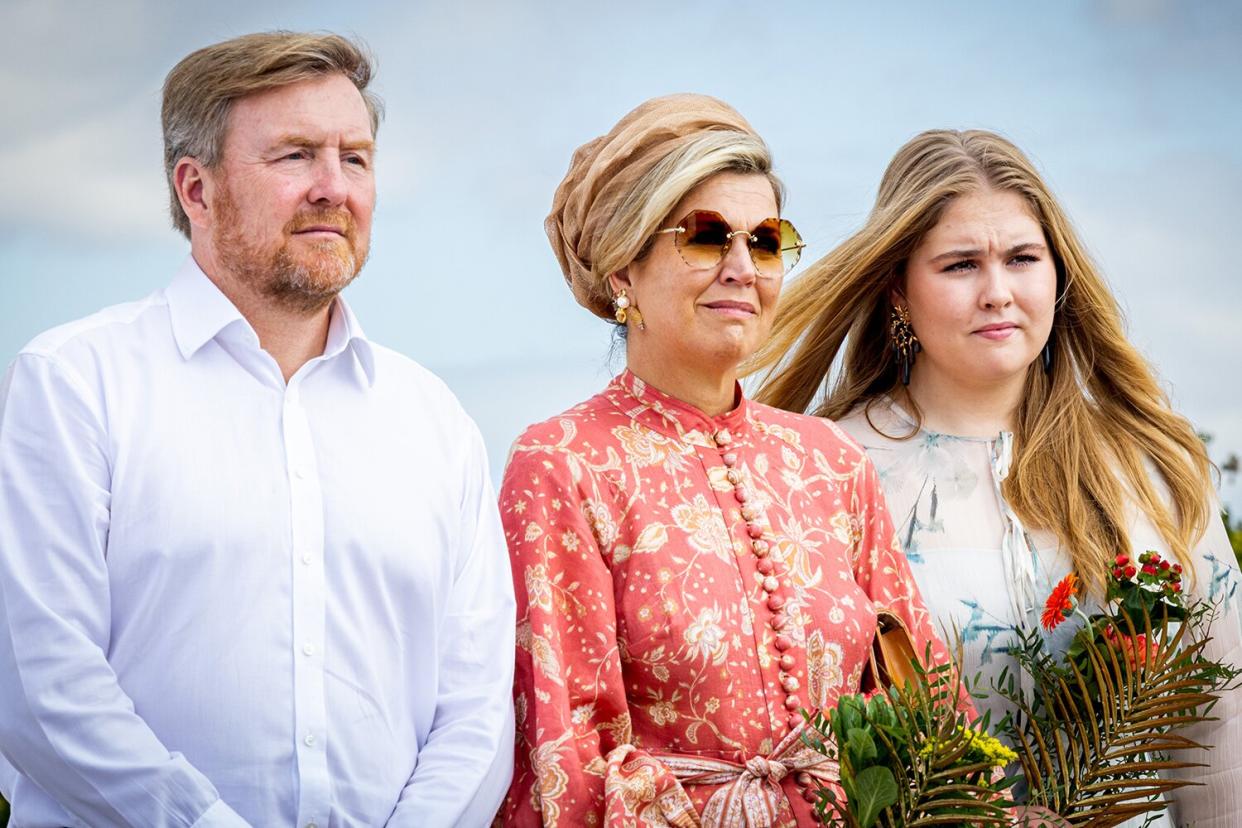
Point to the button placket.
(309, 608)
(770, 583)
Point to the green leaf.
(874, 790)
(861, 746)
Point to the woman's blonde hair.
(1085, 431)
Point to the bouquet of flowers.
(1104, 720)
(909, 756)
(1090, 738)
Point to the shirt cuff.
(220, 815)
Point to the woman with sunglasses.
(693, 570)
(1017, 433)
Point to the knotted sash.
(642, 788)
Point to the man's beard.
(304, 279)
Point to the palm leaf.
(1096, 732)
(921, 739)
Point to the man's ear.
(194, 187)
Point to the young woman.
(1017, 433)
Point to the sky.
(1130, 108)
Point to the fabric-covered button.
(729, 459)
(770, 584)
(795, 721)
(790, 683)
(787, 662)
(742, 494)
(776, 602)
(733, 476)
(754, 530)
(782, 642)
(778, 622)
(749, 512)
(723, 437)
(765, 566)
(761, 548)
(792, 702)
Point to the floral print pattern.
(662, 664)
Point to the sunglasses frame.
(751, 239)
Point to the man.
(251, 570)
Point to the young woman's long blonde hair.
(1084, 433)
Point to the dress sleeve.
(1217, 803)
(65, 722)
(881, 569)
(569, 696)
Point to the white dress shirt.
(225, 599)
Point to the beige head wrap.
(604, 171)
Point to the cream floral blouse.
(686, 586)
(983, 574)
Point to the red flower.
(1131, 571)
(1177, 587)
(1149, 569)
(1164, 564)
(1177, 568)
(1136, 648)
(1122, 560)
(1060, 603)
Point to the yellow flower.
(980, 748)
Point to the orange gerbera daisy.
(1060, 604)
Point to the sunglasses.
(703, 238)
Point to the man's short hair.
(200, 90)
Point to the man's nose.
(328, 185)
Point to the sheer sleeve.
(1217, 803)
(569, 697)
(882, 571)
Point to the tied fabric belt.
(642, 788)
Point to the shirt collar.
(671, 415)
(200, 312)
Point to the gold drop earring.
(626, 310)
(905, 343)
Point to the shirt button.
(309, 740)
(308, 649)
(312, 825)
(723, 437)
(306, 558)
(299, 473)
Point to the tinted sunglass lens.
(791, 246)
(703, 243)
(765, 248)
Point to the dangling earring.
(621, 302)
(626, 310)
(1046, 355)
(905, 343)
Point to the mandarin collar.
(676, 417)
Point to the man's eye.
(296, 155)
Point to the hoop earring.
(1046, 355)
(626, 310)
(905, 343)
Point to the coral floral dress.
(686, 586)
